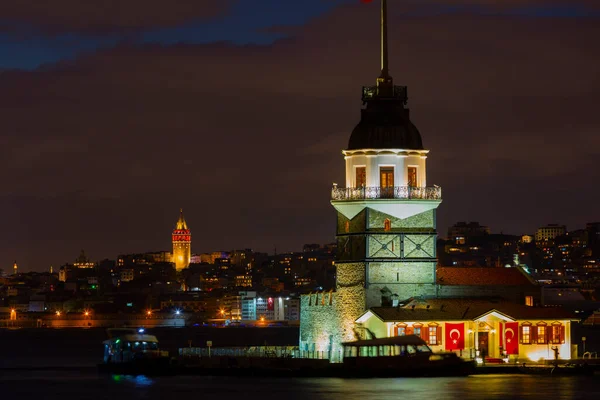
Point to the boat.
(388, 357)
(133, 352)
(401, 356)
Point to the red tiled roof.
(481, 276)
(454, 309)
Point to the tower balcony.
(392, 192)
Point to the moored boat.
(401, 356)
(132, 352)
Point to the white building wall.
(373, 160)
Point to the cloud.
(105, 16)
(101, 152)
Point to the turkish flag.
(366, 1)
(455, 336)
(511, 337)
(270, 304)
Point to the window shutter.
(562, 333)
(521, 334)
(410, 330)
(425, 333)
(534, 334)
(550, 334)
(439, 335)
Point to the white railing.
(392, 192)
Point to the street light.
(58, 313)
(87, 313)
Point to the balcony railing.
(395, 192)
(400, 93)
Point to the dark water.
(80, 350)
(89, 385)
(81, 347)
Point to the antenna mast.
(385, 83)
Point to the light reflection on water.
(73, 385)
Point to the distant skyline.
(237, 111)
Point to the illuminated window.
(386, 180)
(412, 176)
(361, 177)
(387, 225)
(541, 334)
(526, 334)
(400, 331)
(557, 334)
(529, 301)
(433, 335)
(417, 331)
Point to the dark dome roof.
(385, 124)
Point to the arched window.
(556, 333)
(432, 334)
(387, 225)
(526, 333)
(542, 333)
(401, 330)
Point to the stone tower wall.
(327, 319)
(182, 253)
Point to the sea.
(62, 365)
(86, 384)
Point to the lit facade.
(477, 328)
(549, 232)
(182, 244)
(255, 307)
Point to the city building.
(252, 306)
(476, 328)
(82, 268)
(243, 281)
(549, 232)
(127, 275)
(182, 244)
(462, 230)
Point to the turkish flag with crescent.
(455, 336)
(511, 337)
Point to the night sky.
(114, 114)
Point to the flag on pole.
(511, 337)
(455, 336)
